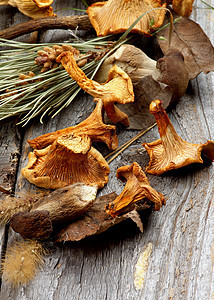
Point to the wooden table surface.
(180, 235)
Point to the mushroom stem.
(163, 123)
(118, 87)
(116, 114)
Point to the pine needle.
(123, 147)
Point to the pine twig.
(123, 147)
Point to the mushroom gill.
(118, 87)
(137, 188)
(171, 151)
(70, 159)
(116, 16)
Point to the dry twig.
(67, 22)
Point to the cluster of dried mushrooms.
(66, 157)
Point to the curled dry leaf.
(93, 127)
(94, 221)
(116, 16)
(167, 77)
(49, 211)
(32, 8)
(170, 151)
(182, 7)
(137, 189)
(189, 38)
(118, 87)
(70, 159)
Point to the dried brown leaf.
(189, 38)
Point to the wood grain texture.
(181, 233)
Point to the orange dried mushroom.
(118, 87)
(116, 16)
(170, 151)
(70, 159)
(136, 189)
(182, 7)
(32, 8)
(93, 126)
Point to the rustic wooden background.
(181, 233)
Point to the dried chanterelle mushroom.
(169, 70)
(70, 159)
(182, 7)
(32, 8)
(137, 188)
(170, 151)
(116, 16)
(118, 87)
(93, 127)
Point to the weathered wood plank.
(10, 140)
(181, 234)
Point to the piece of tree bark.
(96, 220)
(67, 22)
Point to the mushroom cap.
(93, 126)
(171, 151)
(182, 7)
(118, 87)
(70, 159)
(169, 69)
(116, 16)
(173, 72)
(131, 60)
(136, 189)
(34, 8)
